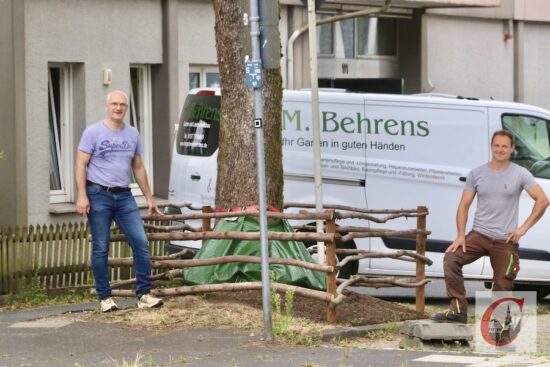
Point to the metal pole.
(260, 156)
(315, 121)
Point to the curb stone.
(352, 332)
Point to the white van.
(385, 151)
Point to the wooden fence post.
(206, 223)
(420, 250)
(331, 261)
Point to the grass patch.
(33, 295)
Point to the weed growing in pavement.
(281, 322)
(543, 309)
(541, 355)
(111, 362)
(264, 357)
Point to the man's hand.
(515, 234)
(82, 205)
(153, 208)
(459, 242)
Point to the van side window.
(532, 143)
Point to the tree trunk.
(237, 183)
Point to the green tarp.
(246, 272)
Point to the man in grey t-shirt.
(109, 152)
(495, 232)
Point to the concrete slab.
(429, 330)
(52, 322)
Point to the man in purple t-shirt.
(109, 151)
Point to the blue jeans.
(122, 208)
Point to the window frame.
(64, 141)
(145, 124)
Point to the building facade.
(61, 57)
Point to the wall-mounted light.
(508, 30)
(107, 76)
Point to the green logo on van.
(205, 113)
(331, 123)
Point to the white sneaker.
(148, 301)
(108, 305)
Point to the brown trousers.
(504, 261)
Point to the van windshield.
(532, 143)
(199, 126)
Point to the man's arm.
(141, 178)
(541, 203)
(461, 220)
(82, 202)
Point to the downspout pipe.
(297, 33)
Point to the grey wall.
(409, 52)
(198, 44)
(466, 56)
(8, 213)
(96, 35)
(532, 63)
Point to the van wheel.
(542, 290)
(351, 268)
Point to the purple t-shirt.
(112, 153)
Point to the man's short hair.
(110, 94)
(504, 133)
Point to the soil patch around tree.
(356, 309)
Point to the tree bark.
(237, 183)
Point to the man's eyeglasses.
(121, 105)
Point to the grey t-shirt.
(498, 195)
(112, 153)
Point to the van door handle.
(462, 178)
(195, 177)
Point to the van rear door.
(419, 153)
(193, 167)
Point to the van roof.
(441, 99)
(340, 95)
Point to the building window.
(376, 36)
(203, 77)
(140, 116)
(60, 130)
(357, 37)
(194, 80)
(325, 37)
(345, 33)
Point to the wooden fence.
(333, 294)
(55, 256)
